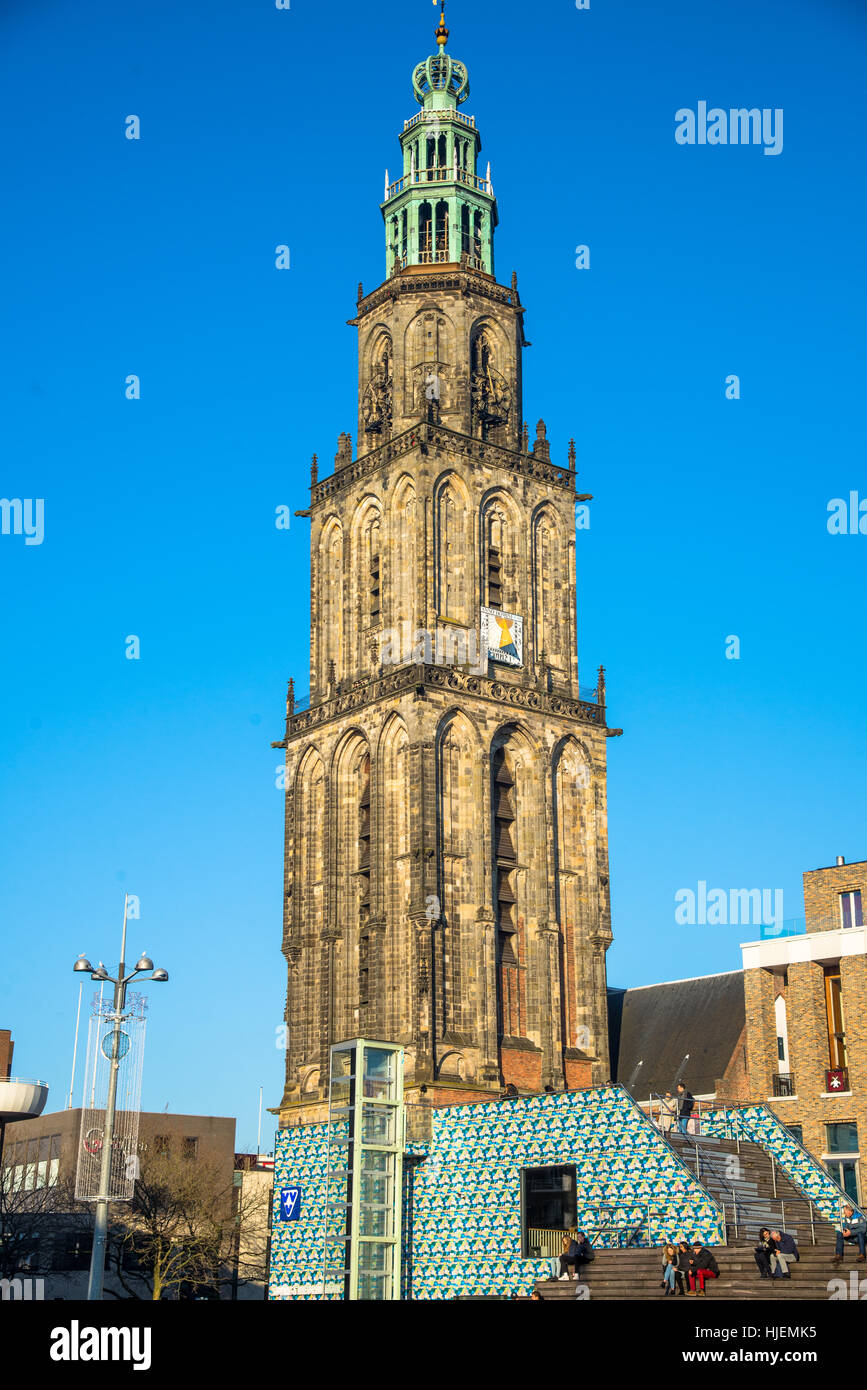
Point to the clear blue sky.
(156, 257)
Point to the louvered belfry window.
(505, 855)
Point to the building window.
(466, 240)
(161, 1145)
(781, 1049)
(549, 1207)
(842, 1138)
(836, 1021)
(797, 1132)
(191, 1148)
(30, 1172)
(76, 1253)
(54, 1160)
(841, 1141)
(844, 1171)
(850, 909)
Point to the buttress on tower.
(446, 855)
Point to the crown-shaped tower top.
(441, 81)
(441, 211)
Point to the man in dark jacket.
(853, 1230)
(702, 1266)
(585, 1251)
(685, 1102)
(785, 1254)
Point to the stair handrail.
(734, 1196)
(803, 1197)
(843, 1199)
(693, 1139)
(677, 1158)
(609, 1207)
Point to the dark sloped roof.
(659, 1024)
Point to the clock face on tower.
(503, 636)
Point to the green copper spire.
(440, 211)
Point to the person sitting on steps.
(765, 1252)
(569, 1256)
(852, 1229)
(669, 1269)
(785, 1254)
(585, 1252)
(681, 1275)
(702, 1266)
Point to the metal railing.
(676, 1156)
(699, 1150)
(733, 1130)
(694, 1116)
(546, 1243)
(798, 926)
(434, 117)
(783, 1083)
(439, 174)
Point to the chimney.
(840, 860)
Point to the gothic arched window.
(453, 554)
(442, 231)
(548, 591)
(425, 234)
(330, 615)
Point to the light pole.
(100, 1224)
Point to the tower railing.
(440, 174)
(434, 117)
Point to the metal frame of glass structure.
(364, 1172)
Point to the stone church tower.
(446, 861)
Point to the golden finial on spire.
(442, 34)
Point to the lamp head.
(83, 964)
(160, 976)
(144, 963)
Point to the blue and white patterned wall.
(462, 1217)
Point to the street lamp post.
(100, 1225)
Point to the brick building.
(446, 853)
(41, 1155)
(806, 1028)
(788, 1030)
